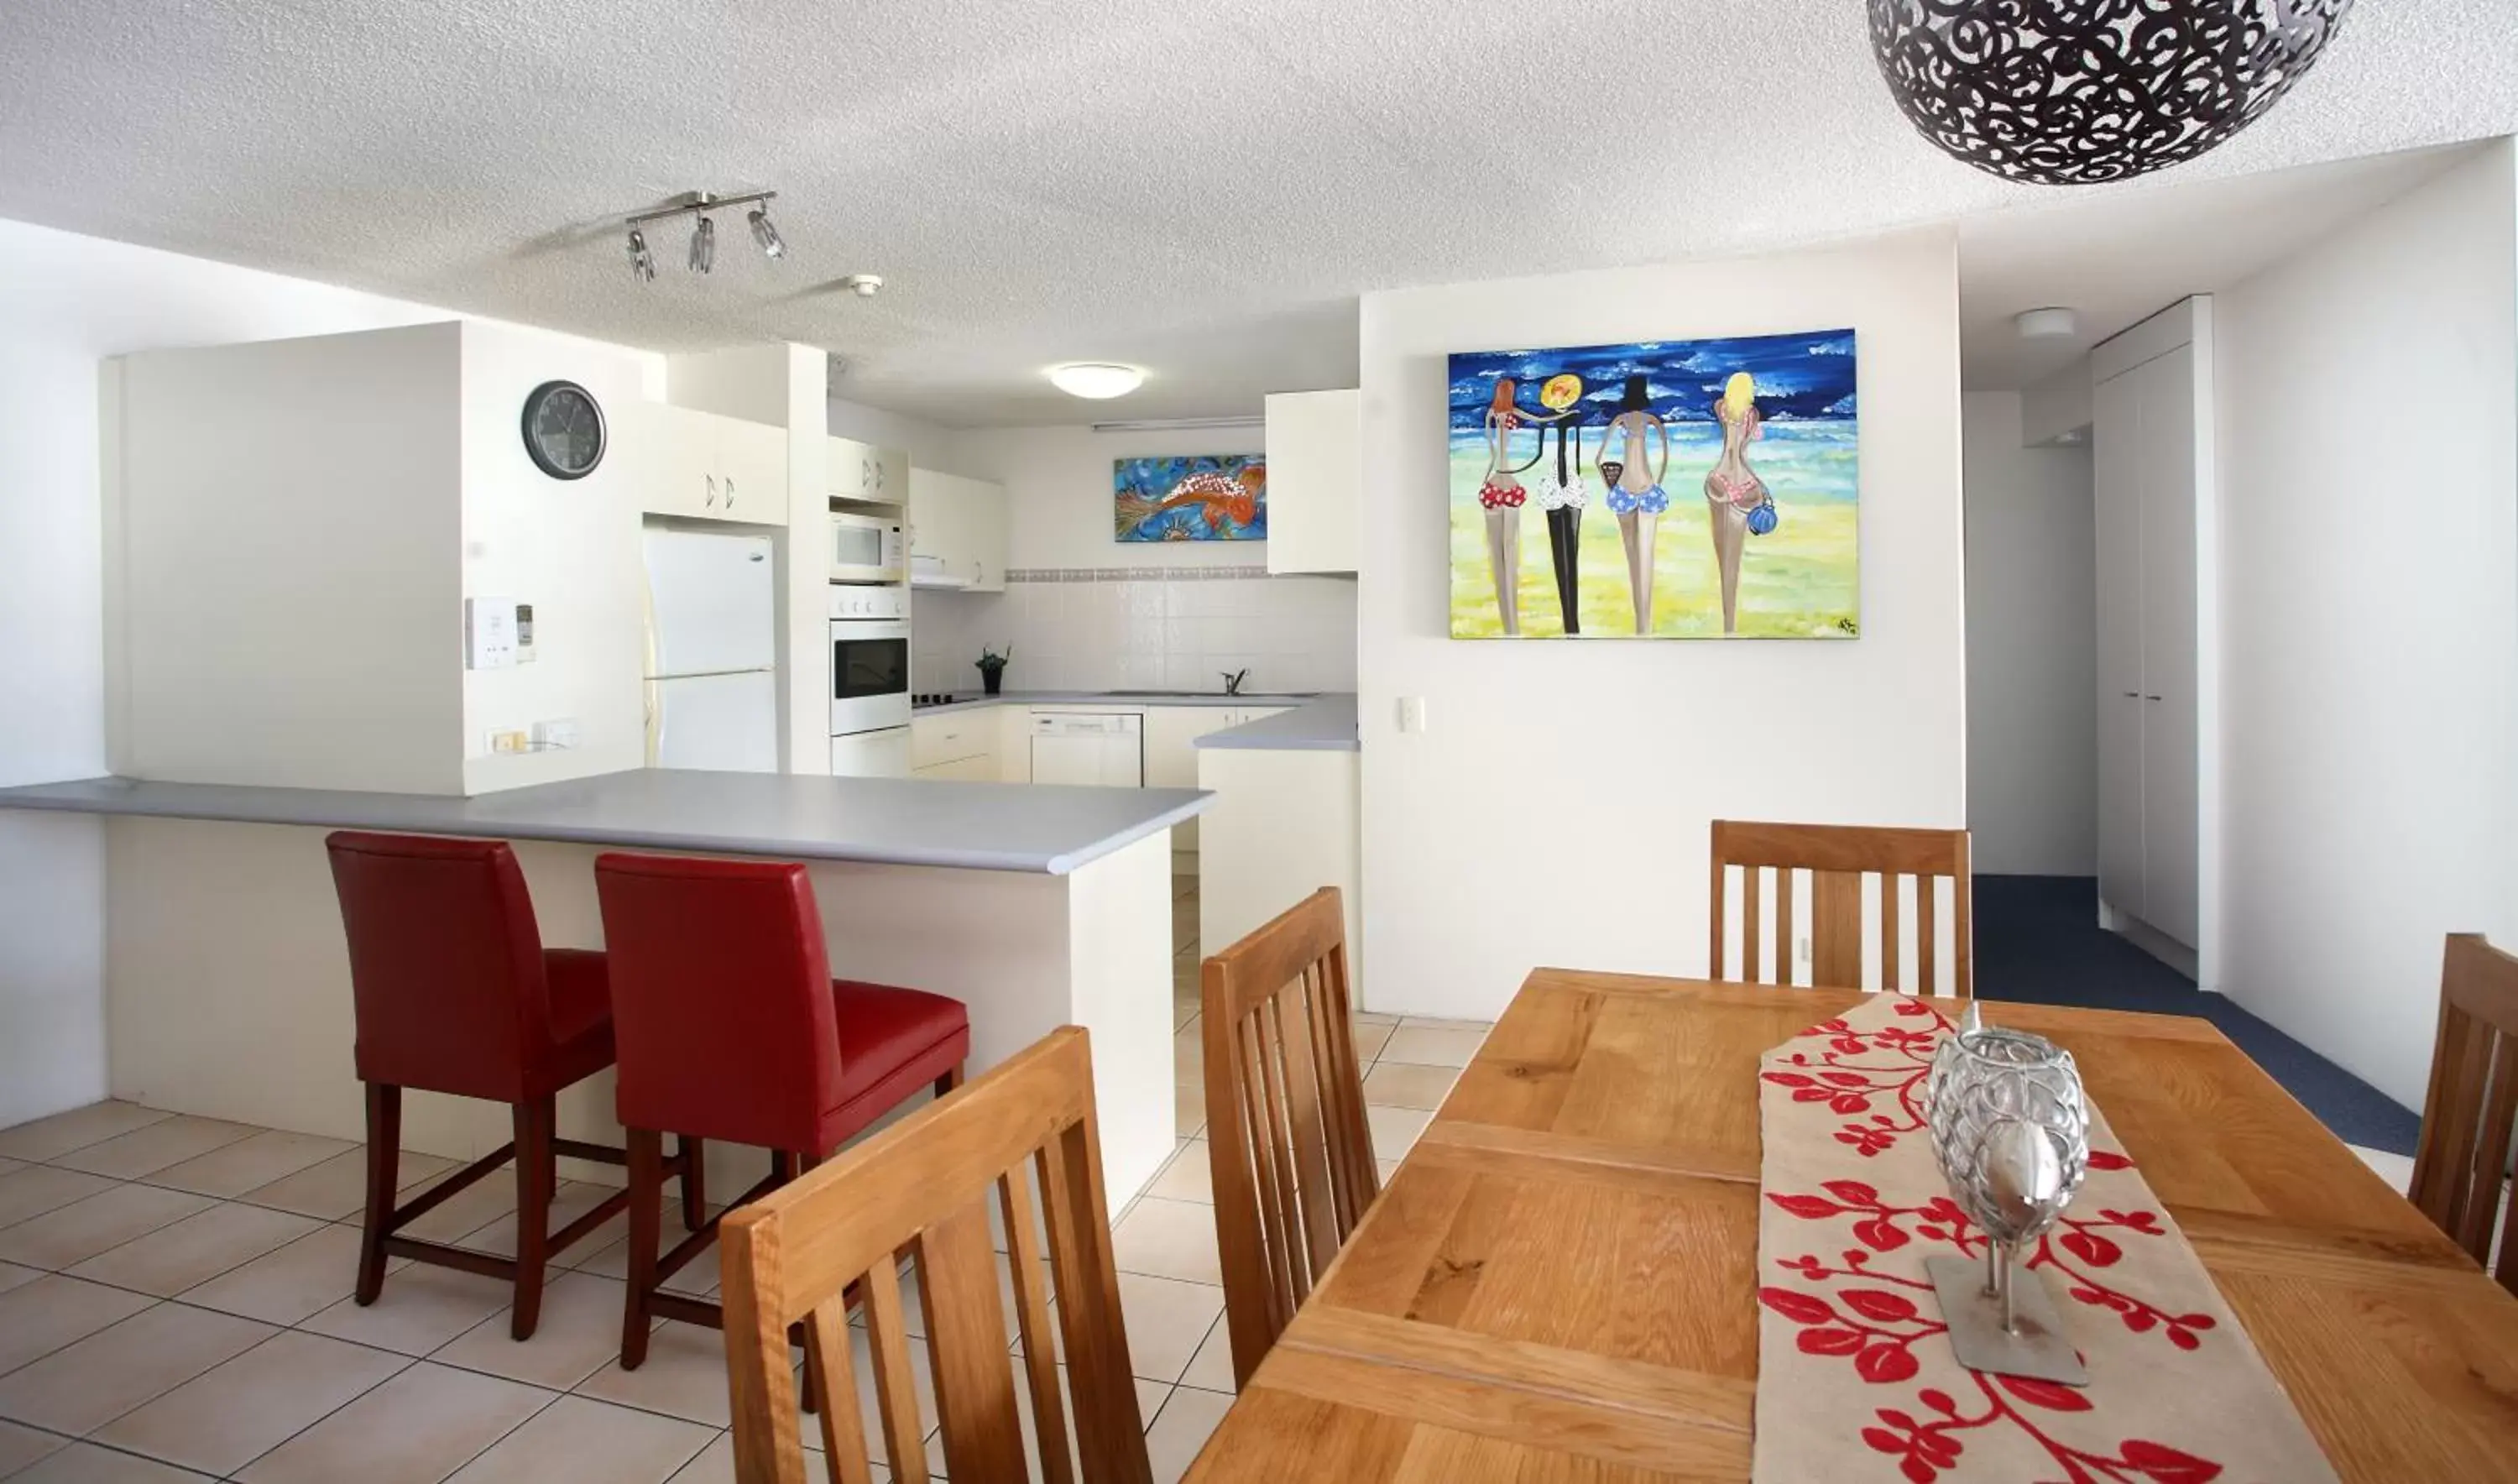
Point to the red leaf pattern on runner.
(1876, 1319)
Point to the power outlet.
(557, 732)
(511, 742)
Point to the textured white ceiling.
(1199, 186)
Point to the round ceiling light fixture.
(2047, 324)
(1096, 379)
(2094, 91)
(865, 285)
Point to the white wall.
(2033, 648)
(1555, 808)
(2370, 607)
(65, 302)
(929, 445)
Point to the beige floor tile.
(1189, 1112)
(1187, 1177)
(1184, 1012)
(1395, 1129)
(2396, 1169)
(1181, 1429)
(579, 1441)
(1429, 1046)
(11, 1166)
(601, 1251)
(58, 1135)
(1438, 1023)
(81, 1388)
(147, 1151)
(196, 1249)
(577, 1334)
(290, 1284)
(1188, 1055)
(80, 1230)
(684, 1376)
(13, 1276)
(1168, 1239)
(573, 1199)
(474, 1207)
(1166, 1318)
(336, 1189)
(1388, 1168)
(416, 1428)
(38, 1318)
(249, 1163)
(1400, 1084)
(1378, 1022)
(234, 1413)
(716, 1464)
(422, 1308)
(54, 1311)
(30, 1190)
(21, 1446)
(922, 1385)
(1211, 1369)
(87, 1464)
(1369, 1040)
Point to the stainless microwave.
(866, 548)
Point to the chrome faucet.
(1232, 680)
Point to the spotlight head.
(704, 245)
(642, 263)
(766, 234)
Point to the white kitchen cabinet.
(959, 525)
(701, 465)
(862, 471)
(953, 737)
(1315, 479)
(2153, 466)
(979, 769)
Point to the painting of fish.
(1205, 496)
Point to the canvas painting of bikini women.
(1668, 489)
(1209, 497)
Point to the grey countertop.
(1325, 724)
(966, 700)
(888, 821)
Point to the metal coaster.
(2041, 1349)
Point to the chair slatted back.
(1838, 858)
(921, 1188)
(2472, 1102)
(1288, 1144)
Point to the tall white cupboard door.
(2170, 845)
(752, 473)
(2116, 455)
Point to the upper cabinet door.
(861, 471)
(676, 451)
(1315, 476)
(752, 473)
(987, 536)
(2117, 462)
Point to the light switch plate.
(1411, 712)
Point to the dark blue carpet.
(2038, 940)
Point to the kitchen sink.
(1218, 695)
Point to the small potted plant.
(992, 668)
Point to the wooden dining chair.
(1838, 857)
(1287, 1145)
(2472, 1102)
(921, 1186)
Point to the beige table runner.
(1855, 1376)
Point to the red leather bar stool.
(455, 993)
(730, 1026)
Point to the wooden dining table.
(1557, 1283)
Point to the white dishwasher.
(1088, 747)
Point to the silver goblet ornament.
(2011, 1129)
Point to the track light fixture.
(765, 232)
(703, 252)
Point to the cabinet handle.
(2133, 695)
(711, 488)
(2151, 698)
(730, 491)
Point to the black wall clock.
(564, 429)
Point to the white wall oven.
(869, 681)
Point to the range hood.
(930, 572)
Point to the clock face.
(563, 430)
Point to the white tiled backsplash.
(1136, 629)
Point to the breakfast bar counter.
(227, 979)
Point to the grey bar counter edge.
(886, 821)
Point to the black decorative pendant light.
(2077, 92)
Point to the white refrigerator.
(712, 652)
